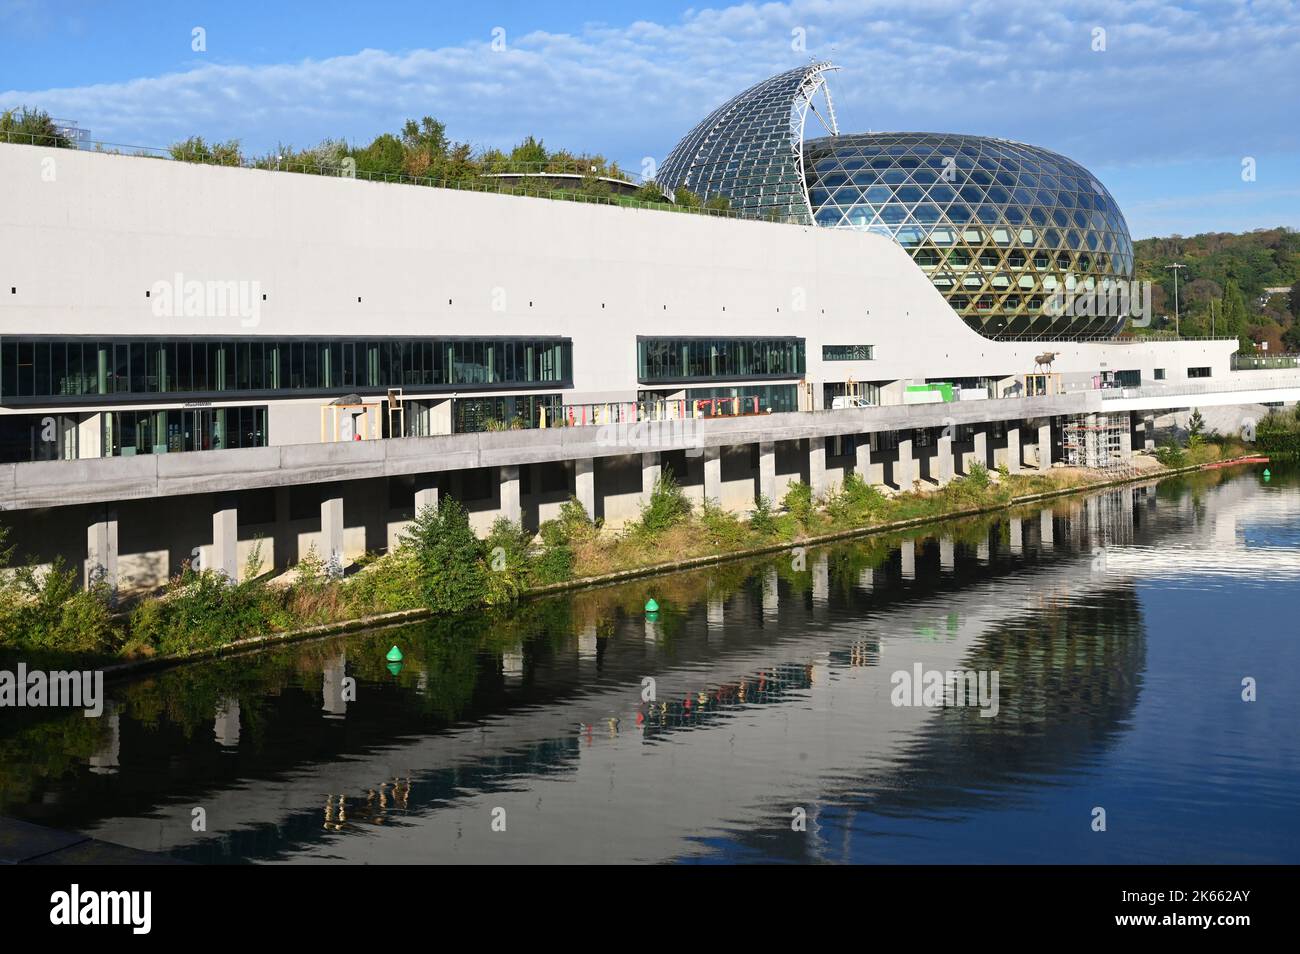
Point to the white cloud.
(1173, 82)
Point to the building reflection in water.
(470, 720)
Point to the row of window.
(128, 433)
(33, 437)
(848, 352)
(43, 368)
(686, 359)
(771, 397)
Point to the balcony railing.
(1262, 362)
(1253, 383)
(636, 412)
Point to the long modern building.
(193, 357)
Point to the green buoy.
(651, 606)
(394, 655)
(1267, 475)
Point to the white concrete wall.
(81, 251)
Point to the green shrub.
(666, 507)
(798, 502)
(761, 519)
(448, 558)
(856, 502)
(574, 519)
(722, 528)
(1171, 455)
(201, 609)
(553, 564)
(388, 584)
(49, 611)
(507, 553)
(1195, 429)
(978, 476)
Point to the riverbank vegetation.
(442, 566)
(1278, 433)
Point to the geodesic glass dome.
(998, 226)
(749, 149)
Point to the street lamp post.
(1175, 267)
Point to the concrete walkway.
(22, 843)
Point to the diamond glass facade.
(998, 226)
(747, 150)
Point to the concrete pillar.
(1013, 448)
(981, 453)
(862, 457)
(1149, 431)
(584, 484)
(101, 546)
(817, 465)
(332, 675)
(943, 459)
(1126, 438)
(715, 613)
(331, 526)
(651, 468)
(426, 492)
(285, 543)
(1047, 527)
(908, 562)
(905, 469)
(947, 554)
(511, 504)
(225, 536)
(1017, 534)
(821, 580)
(1045, 445)
(771, 595)
(225, 726)
(713, 474)
(767, 471)
(105, 760)
(588, 643)
(512, 666)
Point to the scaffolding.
(1099, 442)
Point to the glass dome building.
(999, 227)
(749, 149)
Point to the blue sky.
(1165, 114)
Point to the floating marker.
(395, 668)
(1267, 475)
(394, 655)
(651, 606)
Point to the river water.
(755, 718)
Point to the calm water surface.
(1121, 626)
